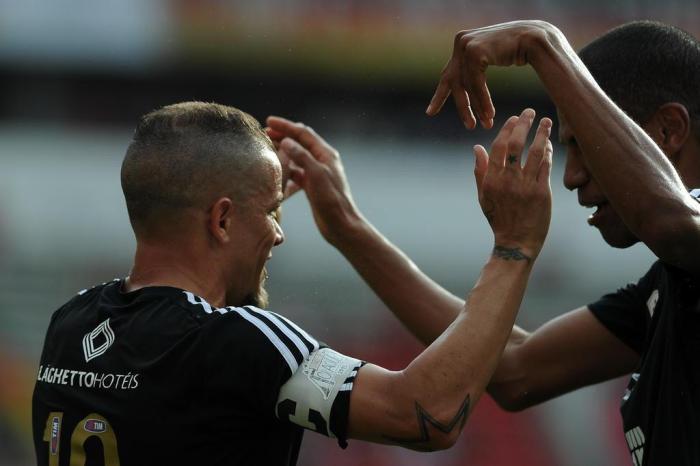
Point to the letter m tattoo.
(424, 419)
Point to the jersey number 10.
(92, 425)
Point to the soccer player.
(634, 164)
(178, 364)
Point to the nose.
(279, 234)
(575, 172)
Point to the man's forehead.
(273, 162)
(271, 172)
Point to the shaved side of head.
(187, 155)
(642, 65)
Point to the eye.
(275, 214)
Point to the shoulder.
(96, 290)
(82, 298)
(255, 332)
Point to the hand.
(517, 200)
(315, 166)
(474, 51)
(289, 187)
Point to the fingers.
(518, 137)
(274, 134)
(481, 163)
(483, 96)
(473, 76)
(441, 94)
(545, 171)
(305, 135)
(464, 82)
(463, 107)
(538, 149)
(499, 146)
(301, 157)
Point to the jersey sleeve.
(317, 396)
(250, 353)
(276, 369)
(627, 312)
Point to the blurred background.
(75, 75)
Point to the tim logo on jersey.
(95, 426)
(55, 434)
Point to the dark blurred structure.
(109, 62)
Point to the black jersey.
(659, 317)
(159, 376)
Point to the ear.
(220, 220)
(670, 128)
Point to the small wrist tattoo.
(512, 159)
(510, 254)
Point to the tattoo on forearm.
(509, 254)
(424, 418)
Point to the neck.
(688, 164)
(178, 266)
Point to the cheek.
(267, 235)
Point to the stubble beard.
(258, 298)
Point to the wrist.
(514, 252)
(541, 41)
(347, 230)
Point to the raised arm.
(534, 366)
(636, 177)
(425, 405)
(424, 307)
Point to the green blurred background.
(76, 74)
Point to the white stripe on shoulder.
(196, 300)
(284, 328)
(274, 339)
(308, 337)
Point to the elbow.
(511, 402)
(434, 436)
(509, 399)
(432, 424)
(444, 442)
(511, 386)
(425, 438)
(429, 435)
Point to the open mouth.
(595, 218)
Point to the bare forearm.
(461, 361)
(423, 306)
(425, 406)
(536, 367)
